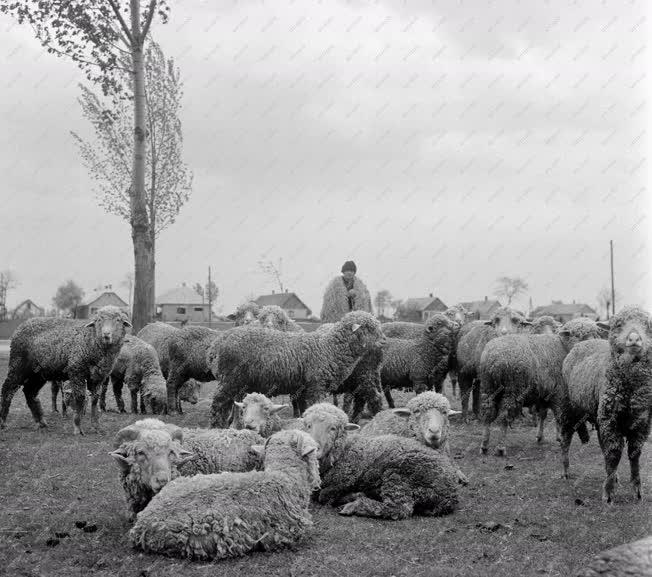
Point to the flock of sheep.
(246, 482)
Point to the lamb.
(610, 386)
(208, 517)
(137, 365)
(522, 370)
(471, 341)
(425, 418)
(48, 349)
(387, 477)
(150, 453)
(304, 365)
(628, 560)
(422, 363)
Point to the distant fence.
(8, 327)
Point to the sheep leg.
(95, 415)
(388, 396)
(636, 438)
(133, 397)
(174, 383)
(12, 383)
(221, 409)
(541, 417)
(143, 407)
(475, 391)
(31, 390)
(76, 398)
(396, 501)
(105, 386)
(484, 445)
(54, 390)
(335, 400)
(612, 451)
(566, 438)
(501, 448)
(296, 409)
(452, 374)
(465, 384)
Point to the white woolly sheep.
(48, 349)
(304, 365)
(209, 517)
(610, 385)
(387, 477)
(419, 364)
(522, 370)
(471, 340)
(629, 560)
(424, 418)
(148, 458)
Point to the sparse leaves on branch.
(510, 287)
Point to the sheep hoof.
(501, 452)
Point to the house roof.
(563, 309)
(482, 306)
(182, 295)
(28, 302)
(278, 299)
(424, 303)
(108, 298)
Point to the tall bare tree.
(98, 36)
(604, 300)
(8, 281)
(273, 270)
(510, 287)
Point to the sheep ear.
(91, 324)
(239, 404)
(120, 456)
(184, 456)
(126, 323)
(175, 432)
(258, 449)
(125, 435)
(402, 412)
(305, 452)
(453, 412)
(354, 327)
(603, 325)
(351, 427)
(277, 408)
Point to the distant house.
(481, 310)
(418, 310)
(27, 309)
(105, 299)
(181, 304)
(289, 302)
(565, 312)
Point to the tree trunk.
(140, 226)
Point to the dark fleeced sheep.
(53, 349)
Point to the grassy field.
(516, 517)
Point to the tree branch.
(123, 24)
(148, 22)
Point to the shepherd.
(344, 294)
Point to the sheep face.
(326, 424)
(273, 317)
(506, 321)
(256, 411)
(364, 330)
(441, 329)
(456, 314)
(155, 395)
(630, 334)
(430, 425)
(545, 325)
(576, 330)
(110, 325)
(246, 314)
(189, 391)
(151, 457)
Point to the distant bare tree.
(604, 300)
(274, 271)
(8, 281)
(510, 287)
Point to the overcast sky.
(438, 144)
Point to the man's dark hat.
(349, 265)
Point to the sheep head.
(630, 334)
(190, 391)
(428, 413)
(245, 314)
(545, 325)
(257, 412)
(362, 330)
(441, 330)
(507, 320)
(576, 330)
(327, 424)
(110, 324)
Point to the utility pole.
(613, 290)
(210, 299)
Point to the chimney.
(485, 299)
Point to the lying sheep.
(419, 364)
(387, 477)
(151, 452)
(208, 517)
(425, 418)
(53, 349)
(258, 413)
(522, 370)
(610, 385)
(471, 341)
(304, 365)
(137, 365)
(628, 560)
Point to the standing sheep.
(419, 364)
(304, 365)
(471, 341)
(158, 335)
(231, 514)
(628, 560)
(137, 365)
(522, 370)
(610, 386)
(425, 418)
(387, 477)
(53, 349)
(151, 452)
